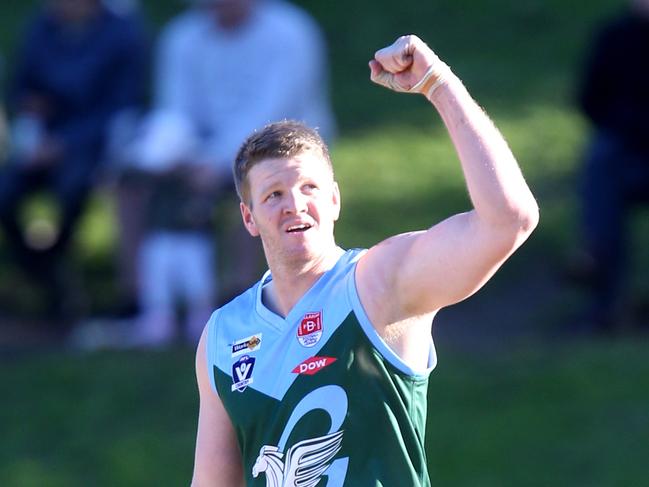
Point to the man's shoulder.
(342, 271)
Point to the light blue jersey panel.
(246, 328)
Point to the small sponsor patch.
(310, 330)
(242, 373)
(312, 365)
(246, 345)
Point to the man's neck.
(289, 284)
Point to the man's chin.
(302, 251)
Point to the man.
(614, 97)
(320, 370)
(211, 60)
(79, 66)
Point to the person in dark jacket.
(79, 64)
(614, 97)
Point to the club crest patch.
(242, 373)
(313, 365)
(246, 345)
(310, 330)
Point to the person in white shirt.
(224, 68)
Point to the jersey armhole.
(211, 348)
(379, 344)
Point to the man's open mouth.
(302, 227)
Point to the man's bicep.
(217, 461)
(451, 261)
(420, 272)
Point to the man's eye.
(273, 195)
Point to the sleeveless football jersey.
(318, 398)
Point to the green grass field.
(569, 415)
(561, 413)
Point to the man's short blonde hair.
(277, 140)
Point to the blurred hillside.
(519, 60)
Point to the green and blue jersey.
(318, 398)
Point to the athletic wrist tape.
(438, 70)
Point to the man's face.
(292, 206)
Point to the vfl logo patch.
(242, 373)
(246, 345)
(310, 330)
(313, 365)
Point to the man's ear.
(336, 200)
(248, 220)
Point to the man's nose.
(296, 202)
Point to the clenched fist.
(408, 65)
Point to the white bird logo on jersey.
(304, 464)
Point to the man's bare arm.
(217, 462)
(415, 274)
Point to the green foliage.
(396, 168)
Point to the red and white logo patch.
(310, 330)
(312, 365)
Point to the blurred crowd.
(614, 178)
(96, 101)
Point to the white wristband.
(440, 81)
(427, 75)
(439, 70)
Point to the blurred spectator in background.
(614, 95)
(174, 261)
(78, 66)
(224, 68)
(3, 135)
